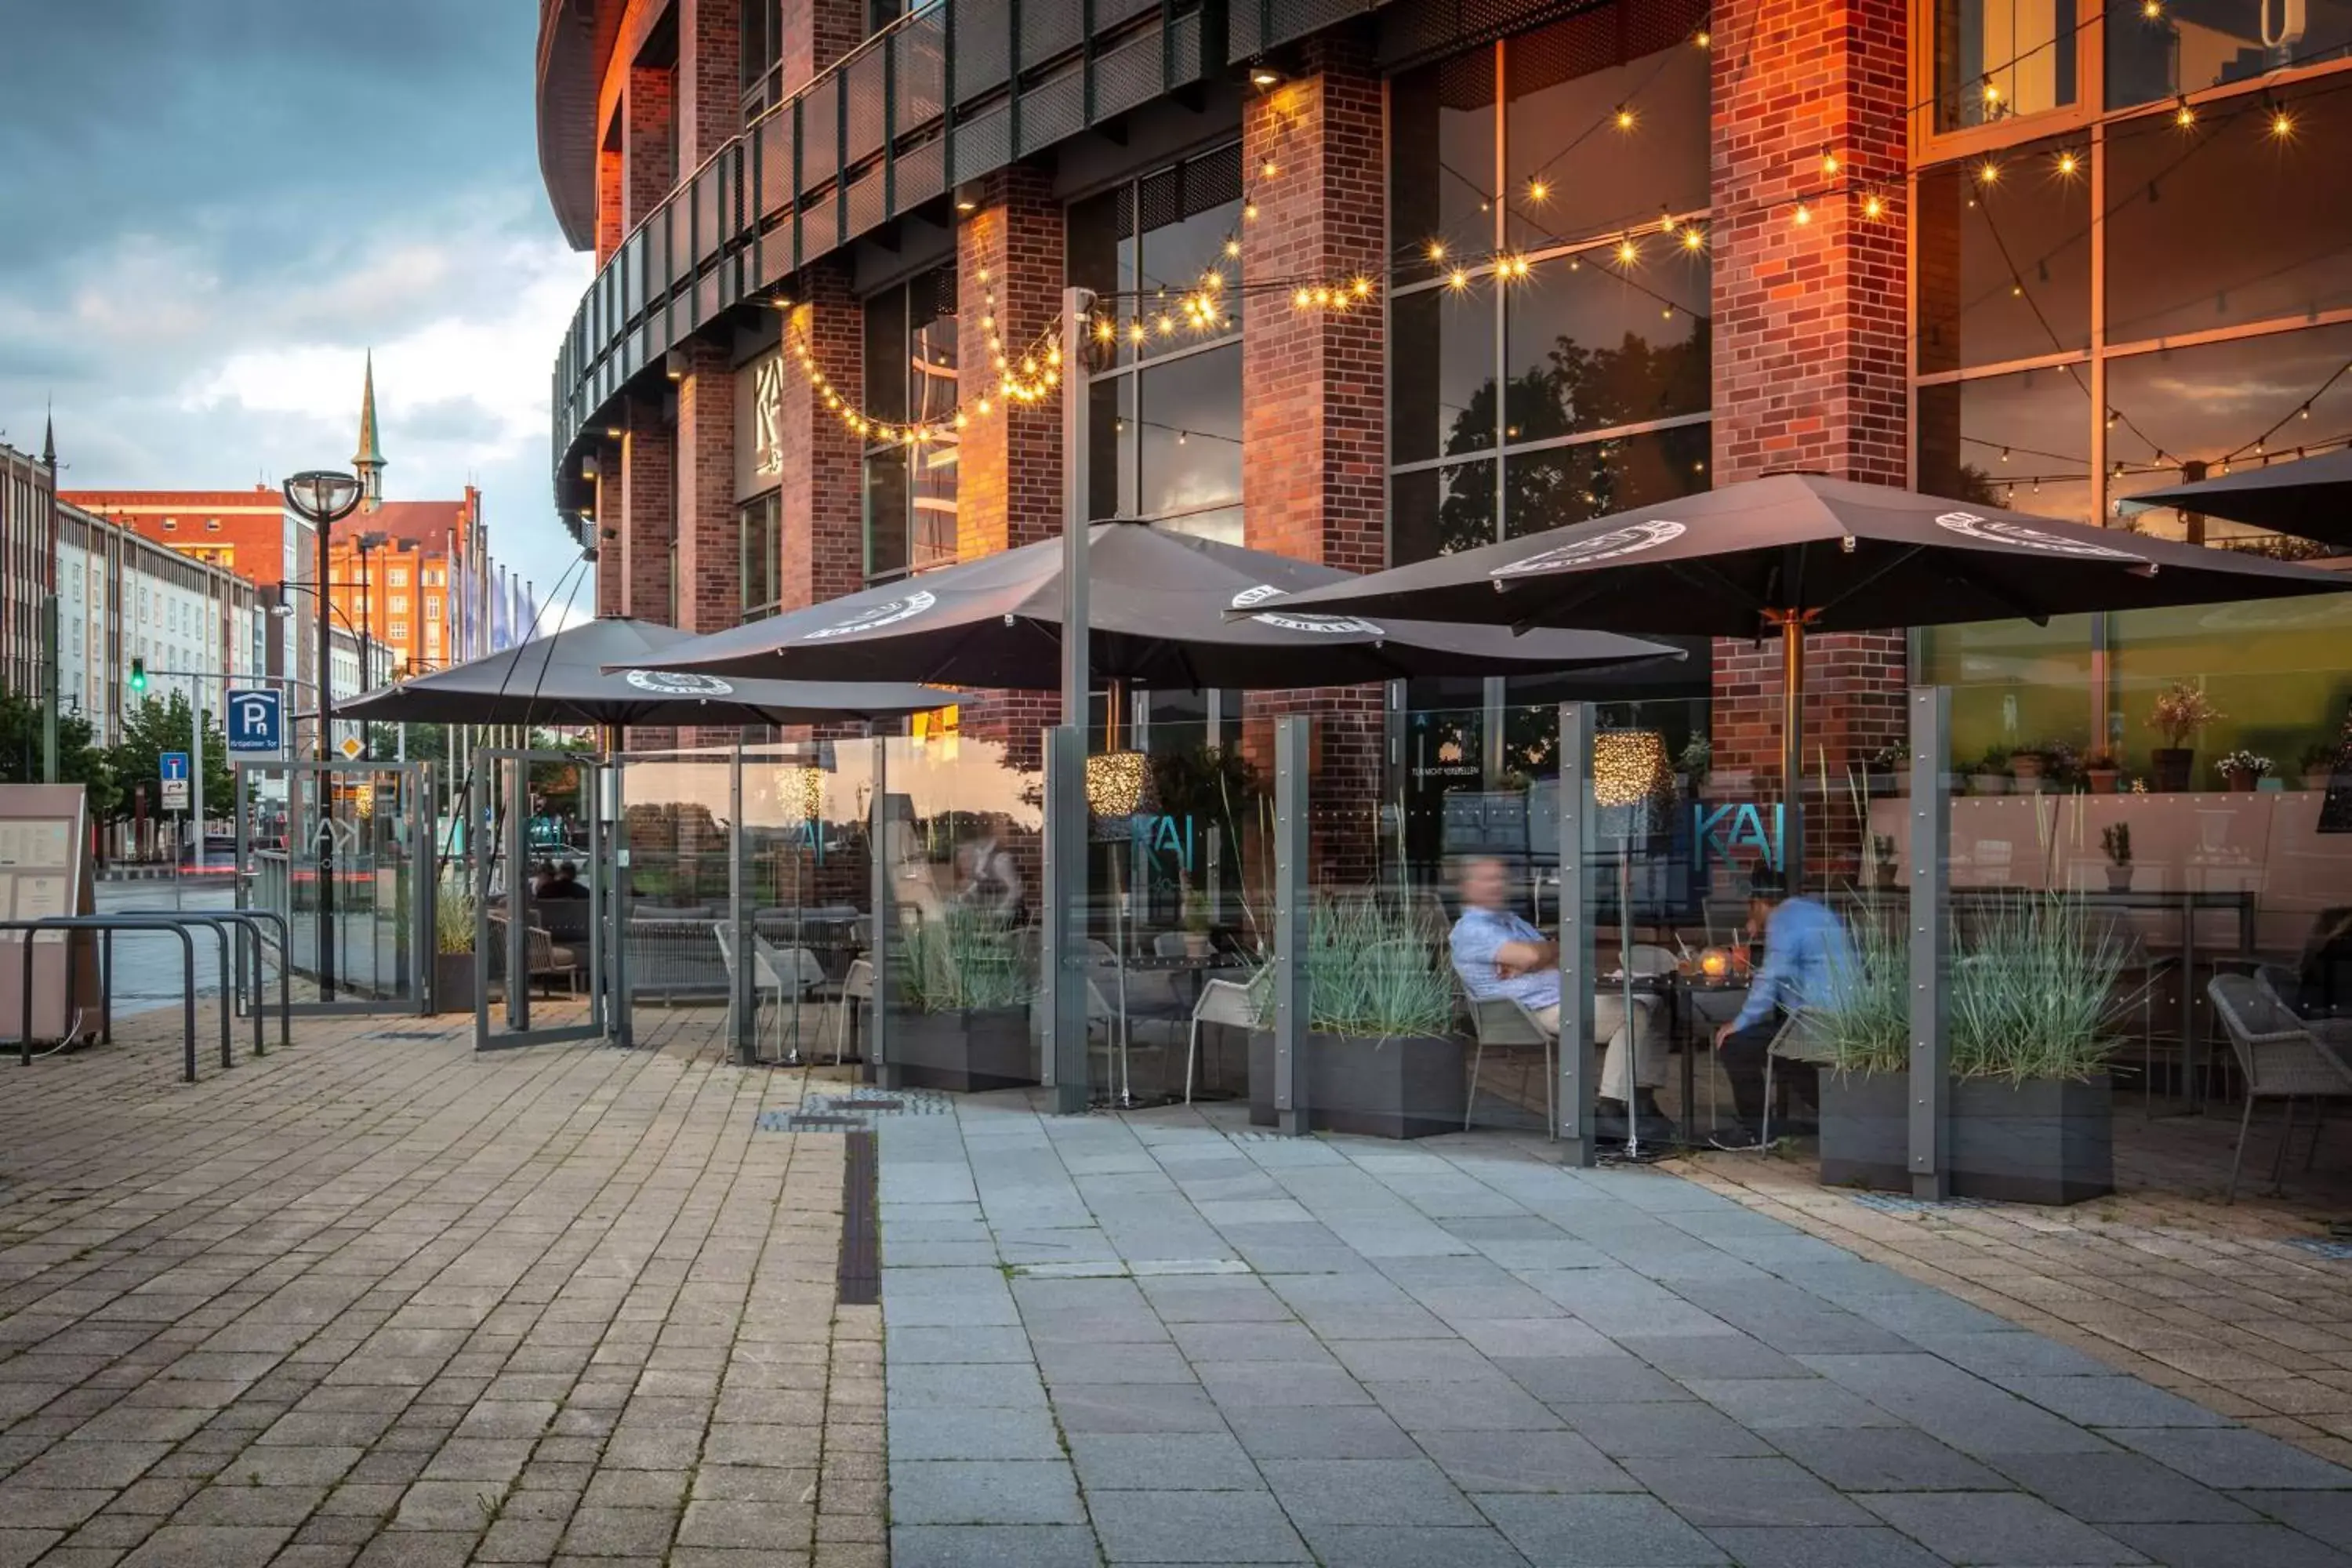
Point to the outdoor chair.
(2281, 1060)
(857, 987)
(544, 961)
(1502, 1021)
(1169, 945)
(1791, 1040)
(763, 974)
(1226, 1002)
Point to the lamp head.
(324, 496)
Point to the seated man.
(1499, 954)
(1805, 952)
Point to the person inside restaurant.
(1805, 953)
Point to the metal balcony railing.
(949, 92)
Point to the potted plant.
(1694, 760)
(2319, 764)
(1990, 775)
(2243, 770)
(2025, 766)
(1881, 860)
(1196, 920)
(2116, 840)
(2033, 1019)
(2103, 770)
(453, 951)
(2180, 715)
(964, 988)
(1888, 770)
(1381, 1058)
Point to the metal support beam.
(1930, 918)
(1292, 896)
(1062, 1051)
(1579, 1072)
(884, 1070)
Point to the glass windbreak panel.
(2021, 440)
(1561, 484)
(2197, 411)
(671, 885)
(1437, 512)
(1189, 456)
(2004, 256)
(956, 818)
(2262, 680)
(806, 877)
(1996, 59)
(1447, 405)
(2021, 692)
(2226, 202)
(1442, 164)
(1610, 338)
(1592, 145)
(2161, 52)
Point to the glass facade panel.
(1591, 343)
(1562, 485)
(1594, 142)
(1443, 142)
(2215, 224)
(2019, 440)
(2004, 256)
(910, 377)
(2187, 48)
(1189, 447)
(1446, 405)
(1996, 59)
(1438, 512)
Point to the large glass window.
(1166, 389)
(910, 379)
(1999, 59)
(1548, 317)
(760, 547)
(2163, 52)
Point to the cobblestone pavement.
(1162, 1338)
(375, 1300)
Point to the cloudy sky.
(215, 207)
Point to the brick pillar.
(815, 35)
(1009, 461)
(612, 528)
(822, 494)
(648, 523)
(710, 576)
(609, 215)
(648, 143)
(1314, 459)
(1808, 334)
(709, 78)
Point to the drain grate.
(1894, 1202)
(2321, 1247)
(834, 1112)
(409, 1034)
(858, 1277)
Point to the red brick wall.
(609, 229)
(648, 523)
(1314, 398)
(710, 592)
(1810, 327)
(1009, 462)
(823, 495)
(648, 143)
(611, 527)
(816, 33)
(709, 78)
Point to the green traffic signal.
(138, 677)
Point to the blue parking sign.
(257, 721)
(175, 767)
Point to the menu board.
(37, 866)
(44, 871)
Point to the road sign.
(351, 748)
(175, 767)
(175, 794)
(257, 721)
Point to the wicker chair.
(2281, 1060)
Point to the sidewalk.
(1165, 1338)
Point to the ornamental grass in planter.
(1381, 1057)
(453, 951)
(2032, 1018)
(964, 991)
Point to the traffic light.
(138, 678)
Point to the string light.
(1829, 162)
(1803, 216)
(2068, 163)
(1989, 173)
(1437, 250)
(2184, 116)
(1873, 206)
(1628, 252)
(1537, 191)
(1702, 39)
(2152, 9)
(1693, 239)
(1624, 116)
(2282, 124)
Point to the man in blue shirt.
(1497, 953)
(1806, 955)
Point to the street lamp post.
(324, 496)
(366, 542)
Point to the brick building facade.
(1610, 252)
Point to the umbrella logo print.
(1297, 622)
(1630, 540)
(1968, 525)
(678, 683)
(883, 614)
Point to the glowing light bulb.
(1361, 287)
(1437, 250)
(1803, 215)
(1457, 280)
(2282, 124)
(1624, 116)
(2184, 116)
(1873, 206)
(1702, 37)
(1268, 169)
(1828, 163)
(1537, 191)
(1694, 241)
(2068, 163)
(1628, 252)
(2151, 9)
(1989, 173)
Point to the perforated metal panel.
(868, 90)
(921, 175)
(820, 132)
(1049, 28)
(773, 151)
(1127, 76)
(867, 208)
(1054, 108)
(983, 142)
(983, 49)
(920, 47)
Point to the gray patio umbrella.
(608, 672)
(1158, 615)
(2310, 498)
(1802, 552)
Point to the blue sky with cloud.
(216, 207)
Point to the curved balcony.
(950, 91)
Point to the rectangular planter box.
(1407, 1088)
(963, 1052)
(2048, 1142)
(452, 983)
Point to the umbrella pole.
(1792, 748)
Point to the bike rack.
(109, 923)
(241, 919)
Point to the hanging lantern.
(800, 789)
(1118, 783)
(1629, 767)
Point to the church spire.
(368, 461)
(49, 440)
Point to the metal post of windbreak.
(885, 1071)
(624, 1017)
(600, 907)
(1292, 1087)
(1930, 918)
(742, 990)
(1577, 1078)
(480, 849)
(518, 773)
(1063, 1052)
